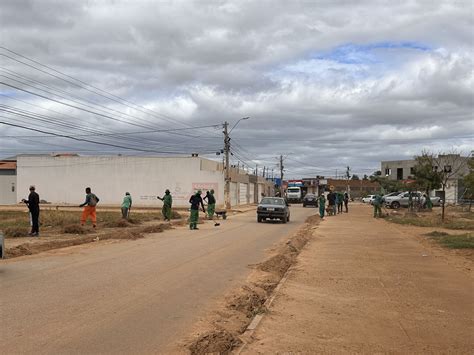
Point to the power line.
(110, 96)
(87, 140)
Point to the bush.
(74, 229)
(16, 232)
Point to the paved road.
(128, 297)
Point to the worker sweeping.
(167, 204)
(322, 205)
(195, 201)
(126, 205)
(89, 208)
(378, 201)
(211, 203)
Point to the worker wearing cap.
(195, 201)
(211, 203)
(126, 205)
(33, 205)
(167, 203)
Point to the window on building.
(412, 170)
(447, 168)
(388, 171)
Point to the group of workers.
(89, 205)
(196, 201)
(335, 202)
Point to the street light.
(236, 123)
(227, 151)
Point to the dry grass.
(52, 222)
(453, 241)
(16, 232)
(456, 219)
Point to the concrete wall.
(8, 190)
(406, 165)
(62, 180)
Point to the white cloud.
(330, 82)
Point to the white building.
(8, 194)
(405, 170)
(62, 179)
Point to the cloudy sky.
(327, 84)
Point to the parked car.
(368, 199)
(310, 200)
(396, 193)
(273, 208)
(402, 199)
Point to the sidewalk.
(363, 286)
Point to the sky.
(326, 84)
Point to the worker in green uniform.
(429, 204)
(126, 205)
(378, 200)
(195, 201)
(322, 205)
(211, 203)
(167, 203)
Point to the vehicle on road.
(402, 200)
(294, 194)
(273, 208)
(310, 200)
(368, 199)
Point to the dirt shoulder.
(369, 286)
(220, 331)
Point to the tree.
(355, 177)
(365, 177)
(433, 172)
(426, 177)
(468, 181)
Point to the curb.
(258, 318)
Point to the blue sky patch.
(367, 53)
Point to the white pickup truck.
(402, 199)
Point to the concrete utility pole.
(281, 175)
(227, 168)
(227, 132)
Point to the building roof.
(7, 165)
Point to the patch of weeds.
(119, 223)
(458, 241)
(15, 232)
(436, 234)
(453, 241)
(175, 215)
(455, 224)
(155, 228)
(74, 229)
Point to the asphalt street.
(129, 296)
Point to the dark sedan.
(273, 208)
(310, 200)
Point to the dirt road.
(367, 286)
(129, 297)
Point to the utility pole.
(348, 175)
(281, 175)
(227, 167)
